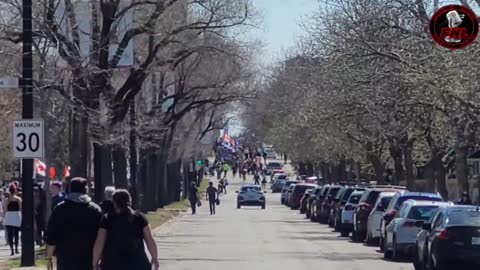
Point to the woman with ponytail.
(120, 239)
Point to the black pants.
(212, 206)
(193, 205)
(13, 235)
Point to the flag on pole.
(39, 168)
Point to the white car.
(375, 217)
(403, 229)
(273, 165)
(283, 196)
(270, 153)
(251, 195)
(347, 213)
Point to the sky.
(280, 24)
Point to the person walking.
(226, 168)
(212, 197)
(57, 195)
(193, 198)
(119, 243)
(256, 178)
(72, 229)
(39, 210)
(285, 159)
(13, 218)
(465, 200)
(264, 181)
(107, 204)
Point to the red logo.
(454, 26)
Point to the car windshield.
(416, 198)
(372, 197)
(317, 191)
(463, 217)
(423, 212)
(250, 189)
(385, 201)
(347, 193)
(301, 188)
(274, 165)
(354, 198)
(333, 191)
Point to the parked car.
(289, 194)
(365, 205)
(273, 165)
(311, 180)
(375, 217)
(283, 196)
(397, 200)
(304, 199)
(347, 212)
(275, 172)
(278, 182)
(270, 153)
(251, 195)
(327, 204)
(316, 204)
(449, 239)
(401, 232)
(311, 199)
(339, 203)
(297, 192)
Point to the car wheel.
(395, 251)
(369, 240)
(307, 213)
(416, 261)
(381, 244)
(387, 254)
(336, 225)
(344, 233)
(282, 200)
(330, 223)
(239, 206)
(263, 206)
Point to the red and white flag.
(66, 171)
(39, 168)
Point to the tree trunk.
(97, 171)
(107, 172)
(141, 182)
(440, 175)
(120, 166)
(357, 168)
(409, 165)
(150, 179)
(379, 169)
(133, 155)
(396, 153)
(461, 166)
(78, 145)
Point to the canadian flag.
(39, 168)
(66, 171)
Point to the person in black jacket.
(107, 204)
(72, 229)
(465, 200)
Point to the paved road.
(251, 238)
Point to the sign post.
(28, 236)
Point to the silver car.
(347, 212)
(403, 229)
(251, 195)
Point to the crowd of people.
(81, 234)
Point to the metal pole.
(28, 247)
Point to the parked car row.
(433, 233)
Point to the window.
(354, 198)
(402, 211)
(438, 221)
(422, 212)
(465, 217)
(250, 189)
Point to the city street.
(251, 238)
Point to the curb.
(163, 227)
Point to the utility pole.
(28, 246)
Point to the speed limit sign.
(28, 138)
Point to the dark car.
(304, 200)
(297, 193)
(317, 203)
(397, 200)
(279, 181)
(311, 199)
(365, 205)
(327, 204)
(451, 240)
(286, 186)
(339, 202)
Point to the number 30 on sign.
(28, 138)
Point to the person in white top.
(12, 215)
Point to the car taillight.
(444, 235)
(349, 208)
